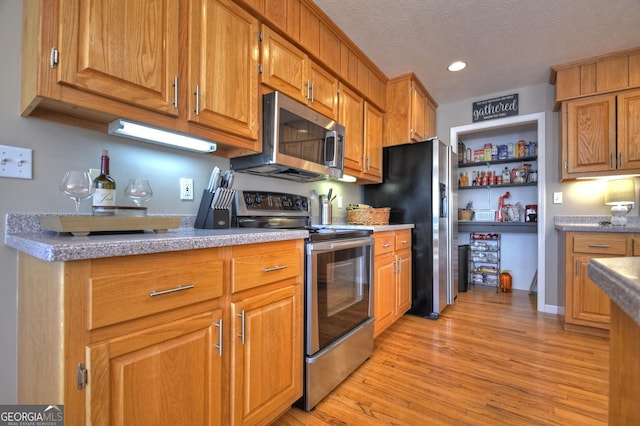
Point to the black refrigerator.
(417, 186)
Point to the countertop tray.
(84, 225)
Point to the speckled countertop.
(24, 233)
(594, 224)
(619, 277)
(374, 228)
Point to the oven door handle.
(339, 245)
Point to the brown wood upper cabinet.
(410, 113)
(363, 125)
(121, 50)
(288, 69)
(99, 60)
(601, 135)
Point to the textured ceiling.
(507, 44)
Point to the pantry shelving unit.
(484, 259)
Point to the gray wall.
(579, 197)
(57, 148)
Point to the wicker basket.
(465, 214)
(368, 216)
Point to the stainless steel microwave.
(298, 143)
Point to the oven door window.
(343, 279)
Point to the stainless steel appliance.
(417, 185)
(298, 143)
(338, 289)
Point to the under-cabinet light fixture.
(347, 178)
(142, 132)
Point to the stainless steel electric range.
(338, 288)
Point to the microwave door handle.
(331, 138)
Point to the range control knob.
(258, 199)
(248, 200)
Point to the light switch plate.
(557, 198)
(16, 162)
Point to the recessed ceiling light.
(457, 66)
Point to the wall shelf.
(502, 185)
(497, 227)
(488, 163)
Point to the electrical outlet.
(557, 198)
(186, 189)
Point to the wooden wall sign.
(504, 106)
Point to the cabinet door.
(223, 68)
(351, 116)
(629, 130)
(266, 365)
(589, 304)
(324, 91)
(124, 50)
(373, 142)
(384, 293)
(403, 291)
(166, 375)
(590, 135)
(284, 66)
(418, 115)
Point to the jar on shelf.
(505, 281)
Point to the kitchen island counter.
(620, 279)
(23, 233)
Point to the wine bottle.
(105, 194)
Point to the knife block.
(210, 218)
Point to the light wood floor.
(490, 359)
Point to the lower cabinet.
(392, 272)
(203, 337)
(587, 307)
(165, 375)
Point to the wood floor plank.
(490, 359)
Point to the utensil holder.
(215, 209)
(325, 213)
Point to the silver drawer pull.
(600, 245)
(405, 241)
(387, 245)
(219, 345)
(275, 268)
(171, 290)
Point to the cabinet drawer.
(384, 243)
(635, 246)
(600, 243)
(403, 239)
(124, 288)
(259, 264)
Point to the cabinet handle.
(274, 268)
(241, 315)
(387, 245)
(197, 93)
(405, 241)
(219, 345)
(599, 245)
(175, 92)
(308, 89)
(399, 265)
(171, 290)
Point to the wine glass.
(77, 185)
(139, 191)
